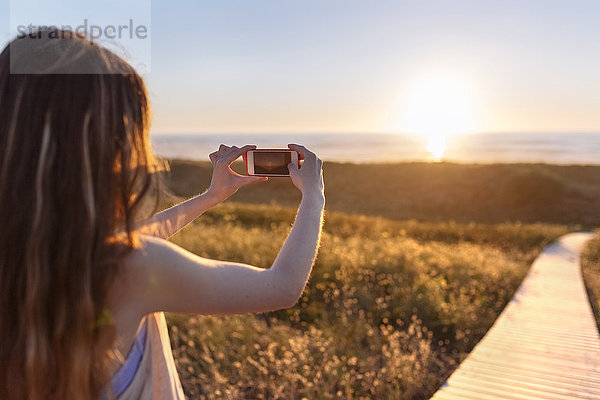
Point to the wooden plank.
(544, 345)
(574, 353)
(547, 383)
(548, 345)
(551, 334)
(500, 391)
(523, 358)
(527, 370)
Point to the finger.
(213, 156)
(235, 153)
(222, 156)
(303, 151)
(245, 154)
(300, 154)
(256, 179)
(222, 149)
(297, 147)
(230, 150)
(248, 180)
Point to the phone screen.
(272, 162)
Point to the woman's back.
(79, 269)
(144, 367)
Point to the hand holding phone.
(309, 177)
(225, 182)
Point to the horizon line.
(597, 131)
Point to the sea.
(483, 148)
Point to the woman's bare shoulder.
(136, 269)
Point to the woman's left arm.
(224, 183)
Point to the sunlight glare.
(435, 109)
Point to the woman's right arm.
(161, 276)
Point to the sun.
(436, 108)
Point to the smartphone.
(270, 162)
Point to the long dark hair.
(75, 167)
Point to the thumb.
(292, 167)
(256, 179)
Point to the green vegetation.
(416, 262)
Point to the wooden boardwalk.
(544, 345)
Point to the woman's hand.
(225, 182)
(309, 177)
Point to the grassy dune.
(412, 271)
(431, 192)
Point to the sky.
(367, 66)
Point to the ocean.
(550, 148)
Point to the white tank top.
(156, 377)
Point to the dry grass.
(391, 307)
(590, 264)
(416, 262)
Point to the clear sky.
(372, 65)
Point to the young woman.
(83, 282)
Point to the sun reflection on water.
(436, 146)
